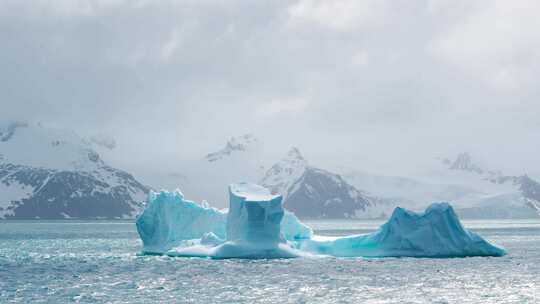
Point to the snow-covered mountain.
(282, 175)
(476, 192)
(53, 173)
(516, 194)
(463, 162)
(406, 191)
(316, 193)
(530, 189)
(307, 190)
(207, 178)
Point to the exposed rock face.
(312, 192)
(54, 174)
(321, 194)
(52, 194)
(531, 191)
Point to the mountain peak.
(282, 174)
(313, 192)
(234, 144)
(294, 153)
(464, 162)
(294, 159)
(53, 173)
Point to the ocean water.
(98, 262)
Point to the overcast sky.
(371, 83)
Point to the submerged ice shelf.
(257, 226)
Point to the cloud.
(499, 44)
(283, 106)
(341, 15)
(379, 79)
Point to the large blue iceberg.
(253, 228)
(257, 226)
(170, 221)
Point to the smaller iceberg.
(257, 226)
(435, 233)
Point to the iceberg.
(169, 220)
(435, 233)
(253, 228)
(257, 226)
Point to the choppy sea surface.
(98, 262)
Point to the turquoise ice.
(257, 226)
(253, 229)
(437, 232)
(169, 221)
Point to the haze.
(376, 85)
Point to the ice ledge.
(252, 192)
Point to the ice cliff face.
(254, 214)
(253, 227)
(314, 192)
(53, 174)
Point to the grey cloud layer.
(370, 79)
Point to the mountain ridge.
(313, 192)
(54, 174)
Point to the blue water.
(98, 262)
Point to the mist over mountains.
(380, 86)
(48, 172)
